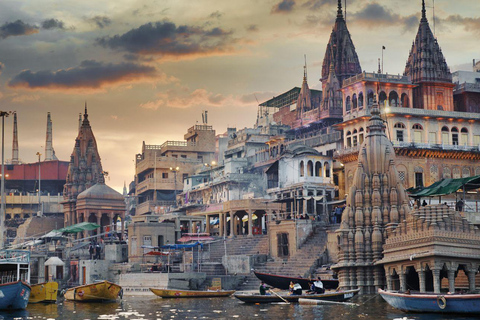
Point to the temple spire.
(49, 152)
(85, 116)
(15, 140)
(339, 10)
(424, 12)
(305, 68)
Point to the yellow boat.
(44, 292)
(98, 291)
(172, 293)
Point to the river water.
(153, 308)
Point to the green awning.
(446, 186)
(79, 227)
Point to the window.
(184, 156)
(445, 134)
(347, 104)
(464, 137)
(400, 135)
(418, 179)
(355, 141)
(327, 169)
(455, 136)
(310, 168)
(164, 175)
(200, 158)
(417, 133)
(349, 139)
(318, 169)
(302, 168)
(476, 140)
(432, 137)
(282, 244)
(360, 100)
(184, 176)
(401, 175)
(175, 155)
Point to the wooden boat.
(173, 293)
(44, 292)
(337, 296)
(282, 282)
(98, 291)
(14, 279)
(432, 302)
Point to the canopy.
(245, 217)
(446, 186)
(79, 227)
(181, 246)
(187, 238)
(157, 253)
(54, 261)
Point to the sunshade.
(245, 218)
(195, 238)
(181, 246)
(54, 261)
(446, 186)
(79, 227)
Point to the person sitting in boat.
(263, 289)
(312, 288)
(319, 286)
(290, 287)
(297, 289)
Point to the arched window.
(354, 101)
(399, 131)
(354, 138)
(318, 169)
(310, 168)
(393, 98)
(326, 165)
(445, 135)
(360, 100)
(349, 139)
(454, 136)
(302, 168)
(360, 136)
(405, 101)
(417, 133)
(465, 172)
(347, 104)
(446, 173)
(382, 97)
(370, 98)
(464, 137)
(456, 173)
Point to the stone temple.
(376, 203)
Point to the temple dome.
(296, 149)
(100, 191)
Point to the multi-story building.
(432, 137)
(161, 169)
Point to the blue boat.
(431, 302)
(14, 279)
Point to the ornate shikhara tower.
(339, 63)
(376, 203)
(427, 67)
(84, 170)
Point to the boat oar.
(314, 301)
(279, 296)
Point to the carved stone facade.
(84, 169)
(376, 203)
(434, 242)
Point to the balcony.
(161, 184)
(152, 206)
(368, 76)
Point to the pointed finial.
(339, 11)
(424, 14)
(86, 108)
(305, 68)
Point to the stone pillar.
(41, 269)
(250, 221)
(207, 223)
(421, 280)
(225, 225)
(471, 280)
(123, 226)
(436, 280)
(232, 225)
(389, 282)
(403, 281)
(221, 225)
(451, 281)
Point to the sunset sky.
(147, 69)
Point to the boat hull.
(451, 303)
(98, 291)
(282, 282)
(14, 295)
(338, 296)
(44, 292)
(172, 293)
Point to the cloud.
(469, 24)
(215, 15)
(53, 24)
(17, 28)
(166, 39)
(283, 6)
(316, 4)
(24, 98)
(90, 75)
(373, 15)
(2, 66)
(252, 28)
(100, 21)
(184, 99)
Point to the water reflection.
(152, 308)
